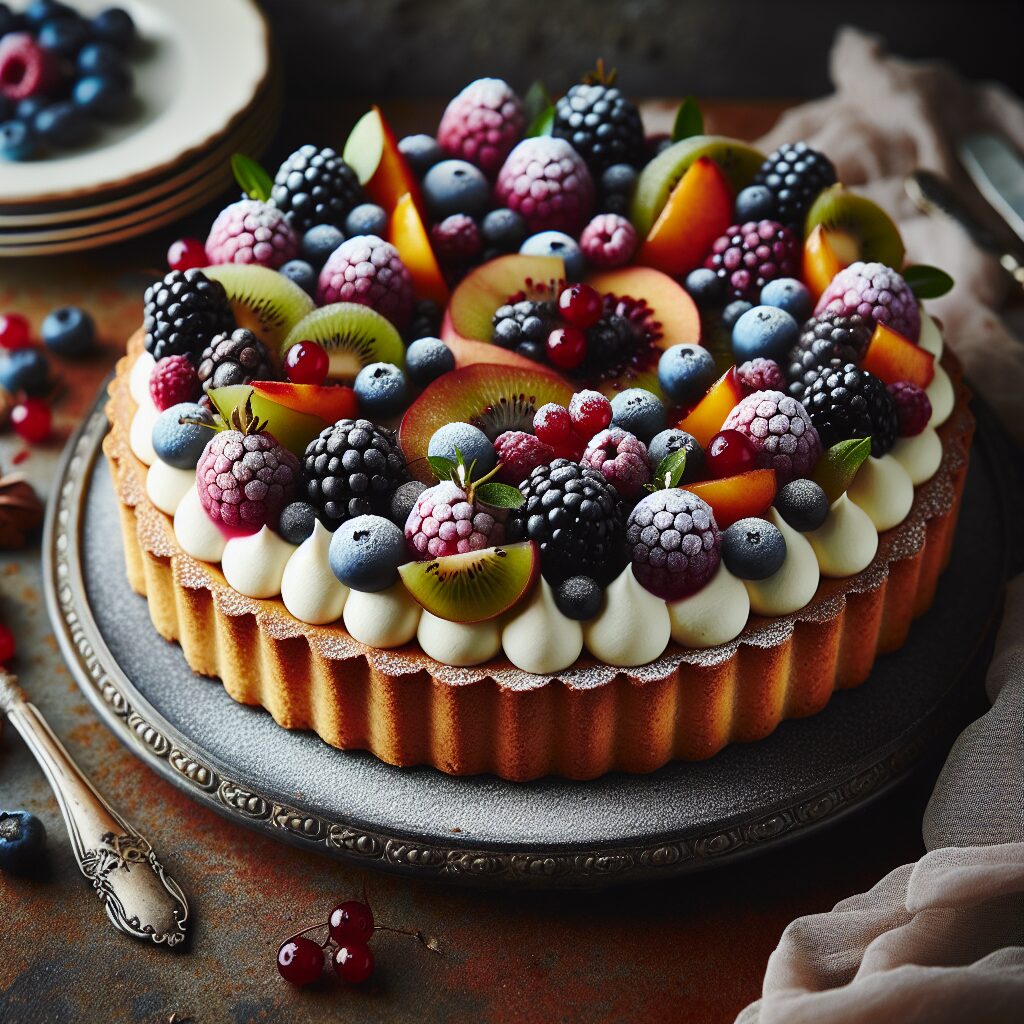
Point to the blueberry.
(102, 96)
(685, 372)
(464, 437)
(755, 202)
(6, 109)
(764, 332)
(734, 311)
(319, 242)
(297, 521)
(63, 36)
(803, 504)
(47, 10)
(503, 229)
(366, 553)
(639, 412)
(381, 389)
(534, 350)
(22, 841)
(181, 444)
(753, 549)
(404, 500)
(421, 152)
(17, 141)
(8, 20)
(579, 597)
(789, 294)
(557, 243)
(456, 186)
(62, 124)
(100, 59)
(619, 179)
(302, 273)
(68, 331)
(115, 26)
(25, 369)
(706, 288)
(27, 108)
(671, 440)
(367, 219)
(426, 359)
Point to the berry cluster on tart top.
(536, 419)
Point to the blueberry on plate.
(100, 59)
(753, 549)
(789, 294)
(68, 331)
(366, 553)
(25, 369)
(115, 26)
(685, 372)
(421, 152)
(302, 273)
(63, 36)
(367, 219)
(734, 311)
(557, 243)
(381, 389)
(640, 412)
(47, 10)
(671, 440)
(426, 359)
(62, 124)
(17, 141)
(755, 202)
(102, 95)
(22, 841)
(456, 186)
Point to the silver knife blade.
(998, 172)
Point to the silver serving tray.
(423, 823)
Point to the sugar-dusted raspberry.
(252, 232)
(913, 407)
(368, 270)
(519, 454)
(482, 123)
(781, 432)
(760, 375)
(876, 292)
(621, 458)
(456, 240)
(174, 380)
(608, 241)
(445, 521)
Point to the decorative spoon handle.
(141, 899)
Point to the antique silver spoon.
(141, 899)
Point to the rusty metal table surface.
(690, 950)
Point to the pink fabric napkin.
(943, 939)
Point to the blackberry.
(601, 125)
(351, 469)
(183, 313)
(524, 326)
(823, 338)
(845, 402)
(576, 517)
(795, 174)
(610, 342)
(425, 322)
(236, 358)
(315, 186)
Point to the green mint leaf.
(542, 123)
(500, 495)
(837, 468)
(689, 120)
(670, 470)
(927, 282)
(536, 101)
(252, 179)
(441, 467)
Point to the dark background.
(710, 48)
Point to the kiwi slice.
(475, 586)
(857, 228)
(738, 161)
(262, 299)
(353, 335)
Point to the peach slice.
(705, 419)
(699, 209)
(736, 497)
(892, 357)
(820, 262)
(409, 236)
(329, 403)
(372, 152)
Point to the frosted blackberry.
(236, 358)
(352, 469)
(823, 338)
(795, 174)
(610, 343)
(845, 402)
(576, 517)
(601, 125)
(524, 323)
(183, 313)
(315, 186)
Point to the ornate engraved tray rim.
(442, 855)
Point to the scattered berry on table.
(671, 440)
(674, 543)
(7, 644)
(447, 521)
(380, 389)
(482, 124)
(456, 186)
(366, 552)
(301, 273)
(557, 243)
(174, 380)
(178, 437)
(755, 202)
(877, 293)
(845, 402)
(353, 962)
(315, 186)
(781, 431)
(706, 288)
(300, 961)
(566, 347)
(426, 359)
(730, 452)
(403, 501)
(448, 441)
(795, 174)
(760, 375)
(590, 412)
(913, 407)
(685, 372)
(753, 549)
(503, 230)
(351, 921)
(580, 305)
(186, 254)
(616, 186)
(803, 504)
(306, 362)
(789, 294)
(22, 841)
(319, 242)
(68, 331)
(823, 338)
(368, 270)
(733, 311)
(764, 332)
(608, 241)
(14, 331)
(520, 454)
(32, 420)
(24, 369)
(602, 125)
(638, 412)
(236, 358)
(421, 152)
(297, 522)
(456, 240)
(579, 597)
(621, 458)
(366, 219)
(750, 255)
(252, 232)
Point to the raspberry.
(621, 458)
(795, 174)
(368, 270)
(251, 232)
(519, 454)
(590, 412)
(26, 68)
(781, 432)
(750, 255)
(552, 424)
(674, 543)
(877, 293)
(445, 521)
(760, 375)
(482, 123)
(913, 407)
(173, 380)
(845, 403)
(608, 241)
(546, 181)
(456, 240)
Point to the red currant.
(351, 921)
(581, 305)
(306, 363)
(590, 413)
(729, 453)
(187, 254)
(567, 347)
(6, 644)
(353, 962)
(300, 961)
(31, 420)
(552, 425)
(13, 331)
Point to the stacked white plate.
(204, 89)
